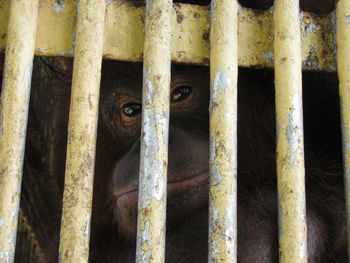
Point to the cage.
(224, 35)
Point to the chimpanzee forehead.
(127, 77)
(121, 77)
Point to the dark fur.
(113, 241)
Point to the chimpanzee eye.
(132, 109)
(180, 93)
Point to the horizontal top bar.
(124, 34)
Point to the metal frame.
(190, 34)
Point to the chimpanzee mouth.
(174, 186)
(183, 197)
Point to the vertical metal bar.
(289, 129)
(13, 117)
(223, 132)
(343, 67)
(77, 198)
(155, 127)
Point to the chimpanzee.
(113, 225)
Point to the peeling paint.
(268, 55)
(311, 27)
(145, 246)
(66, 52)
(154, 139)
(223, 133)
(12, 239)
(69, 52)
(239, 9)
(221, 82)
(10, 256)
(58, 6)
(212, 11)
(289, 130)
(347, 19)
(294, 128)
(153, 231)
(215, 168)
(87, 229)
(312, 60)
(1, 222)
(189, 45)
(41, 49)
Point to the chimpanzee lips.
(184, 195)
(174, 185)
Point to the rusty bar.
(13, 117)
(223, 132)
(155, 129)
(343, 55)
(77, 198)
(289, 132)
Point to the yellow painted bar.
(289, 129)
(124, 34)
(77, 197)
(155, 128)
(13, 117)
(223, 132)
(343, 55)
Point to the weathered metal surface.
(343, 55)
(124, 34)
(13, 117)
(77, 197)
(154, 134)
(289, 129)
(223, 132)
